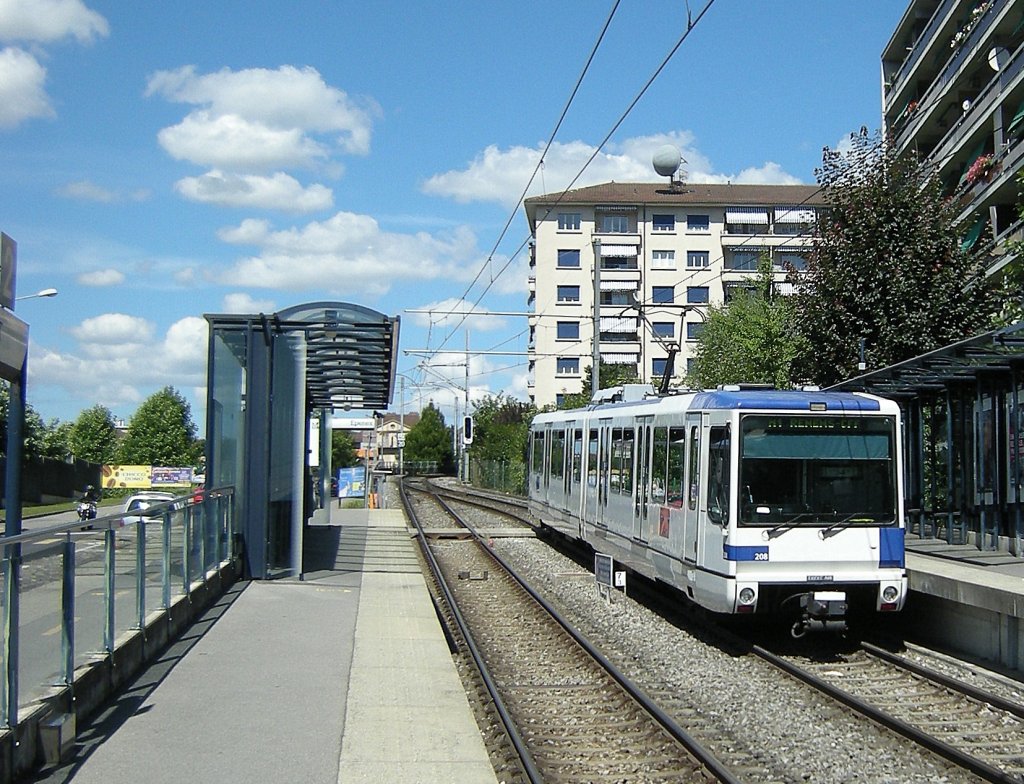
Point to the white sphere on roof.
(666, 160)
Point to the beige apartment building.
(667, 252)
(953, 94)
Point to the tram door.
(691, 500)
(595, 493)
(641, 495)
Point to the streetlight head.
(47, 293)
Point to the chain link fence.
(501, 475)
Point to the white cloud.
(279, 191)
(258, 120)
(448, 314)
(246, 303)
(112, 329)
(347, 254)
(84, 190)
(102, 277)
(22, 96)
(46, 21)
(112, 364)
(498, 175)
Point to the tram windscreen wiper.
(786, 525)
(846, 522)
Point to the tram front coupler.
(822, 611)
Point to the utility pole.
(465, 452)
(595, 374)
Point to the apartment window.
(663, 259)
(662, 295)
(568, 330)
(568, 221)
(694, 329)
(663, 329)
(691, 365)
(698, 223)
(697, 258)
(615, 224)
(658, 367)
(742, 261)
(785, 258)
(663, 223)
(697, 295)
(568, 293)
(569, 258)
(559, 399)
(733, 289)
(568, 366)
(617, 298)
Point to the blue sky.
(159, 161)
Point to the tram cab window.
(718, 475)
(537, 455)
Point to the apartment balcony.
(896, 80)
(940, 98)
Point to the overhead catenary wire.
(691, 23)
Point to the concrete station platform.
(344, 676)
(967, 599)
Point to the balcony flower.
(981, 169)
(976, 14)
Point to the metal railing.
(71, 590)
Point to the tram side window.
(577, 455)
(537, 456)
(592, 458)
(659, 465)
(622, 461)
(557, 454)
(694, 478)
(676, 465)
(615, 480)
(718, 475)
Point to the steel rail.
(713, 765)
(526, 759)
(995, 700)
(918, 736)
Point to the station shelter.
(963, 438)
(268, 377)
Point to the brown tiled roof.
(690, 194)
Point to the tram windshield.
(808, 470)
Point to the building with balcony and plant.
(667, 252)
(953, 95)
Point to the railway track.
(570, 714)
(975, 728)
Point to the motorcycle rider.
(91, 495)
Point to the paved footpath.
(343, 678)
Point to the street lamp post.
(42, 293)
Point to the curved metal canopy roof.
(351, 351)
(998, 350)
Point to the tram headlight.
(890, 594)
(747, 595)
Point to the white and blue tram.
(747, 500)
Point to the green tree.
(888, 268)
(343, 450)
(56, 441)
(751, 339)
(430, 440)
(161, 433)
(34, 431)
(611, 376)
(93, 436)
(501, 431)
